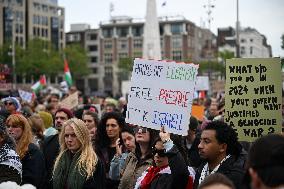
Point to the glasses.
(8, 103)
(161, 153)
(140, 130)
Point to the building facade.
(252, 43)
(23, 20)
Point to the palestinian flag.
(40, 84)
(67, 73)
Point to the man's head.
(266, 162)
(216, 181)
(218, 140)
(193, 124)
(62, 115)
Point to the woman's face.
(160, 157)
(72, 142)
(112, 128)
(15, 131)
(129, 141)
(142, 135)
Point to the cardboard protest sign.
(198, 112)
(70, 102)
(161, 94)
(253, 97)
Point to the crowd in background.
(47, 145)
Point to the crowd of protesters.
(47, 145)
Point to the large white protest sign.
(161, 94)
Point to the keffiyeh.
(10, 158)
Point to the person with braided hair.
(77, 166)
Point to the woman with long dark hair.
(108, 132)
(141, 159)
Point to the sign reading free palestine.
(161, 94)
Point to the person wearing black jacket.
(170, 168)
(222, 152)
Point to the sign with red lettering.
(160, 94)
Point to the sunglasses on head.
(8, 103)
(161, 153)
(140, 130)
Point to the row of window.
(45, 8)
(137, 31)
(40, 32)
(40, 20)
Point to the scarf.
(66, 174)
(205, 171)
(152, 173)
(9, 157)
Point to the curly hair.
(226, 134)
(88, 159)
(26, 138)
(102, 139)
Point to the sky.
(266, 16)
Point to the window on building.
(122, 55)
(243, 40)
(107, 32)
(108, 58)
(108, 71)
(161, 28)
(243, 50)
(93, 84)
(177, 55)
(95, 70)
(251, 50)
(176, 42)
(251, 40)
(108, 44)
(176, 28)
(137, 31)
(93, 36)
(94, 59)
(44, 8)
(122, 31)
(93, 48)
(137, 43)
(122, 44)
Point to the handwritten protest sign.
(161, 94)
(70, 102)
(253, 97)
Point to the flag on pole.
(39, 84)
(67, 73)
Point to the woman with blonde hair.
(31, 157)
(77, 165)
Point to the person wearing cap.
(266, 163)
(191, 142)
(12, 105)
(51, 145)
(221, 152)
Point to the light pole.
(209, 8)
(237, 32)
(12, 19)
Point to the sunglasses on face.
(161, 153)
(140, 130)
(8, 103)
